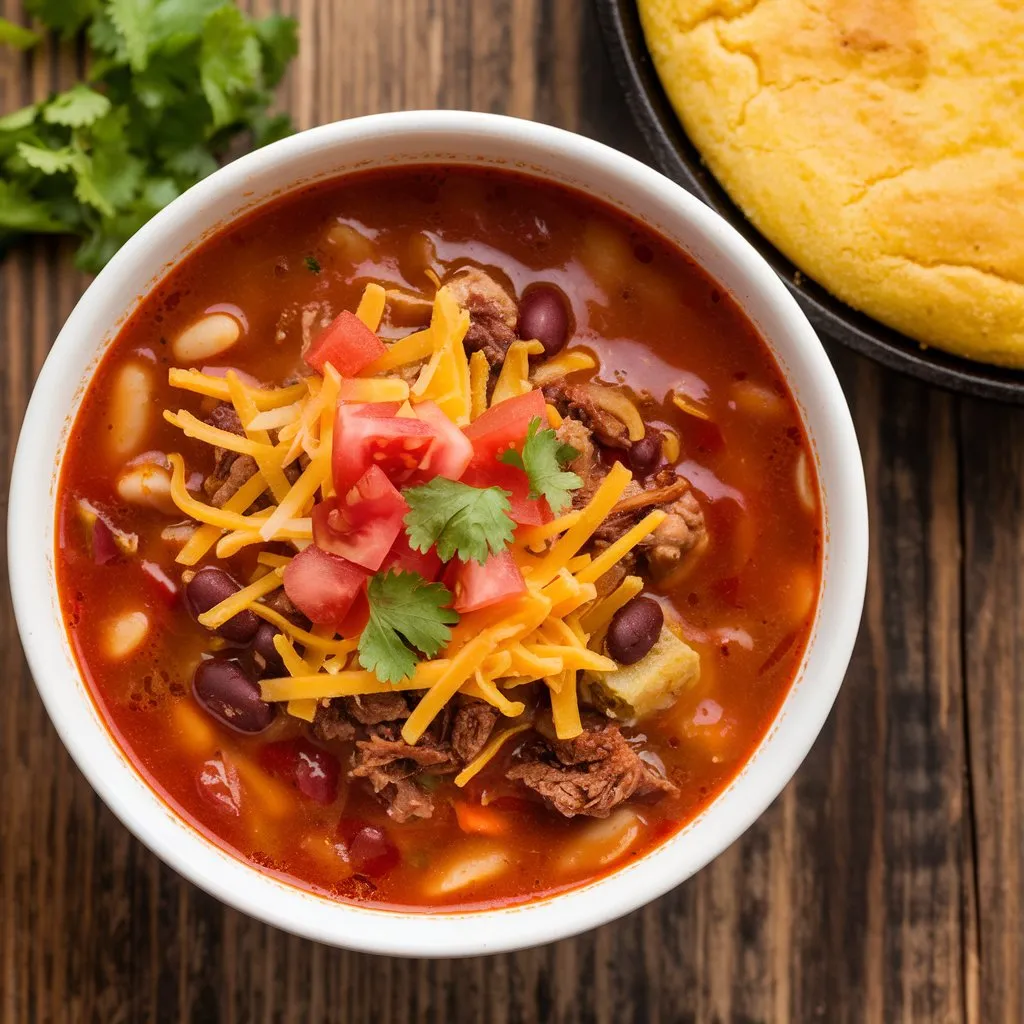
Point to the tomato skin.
(504, 425)
(313, 771)
(523, 509)
(477, 586)
(403, 558)
(368, 435)
(451, 451)
(323, 586)
(347, 344)
(363, 523)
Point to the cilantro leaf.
(542, 459)
(13, 34)
(406, 612)
(471, 522)
(312, 264)
(76, 108)
(172, 84)
(63, 16)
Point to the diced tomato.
(357, 618)
(367, 848)
(476, 586)
(523, 509)
(323, 586)
(403, 558)
(312, 770)
(347, 344)
(104, 545)
(451, 451)
(505, 424)
(362, 523)
(368, 435)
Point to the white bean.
(131, 407)
(468, 868)
(207, 337)
(125, 634)
(600, 843)
(804, 486)
(148, 485)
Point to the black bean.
(544, 317)
(224, 688)
(645, 454)
(267, 658)
(634, 629)
(208, 588)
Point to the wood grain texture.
(883, 885)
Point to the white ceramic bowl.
(436, 137)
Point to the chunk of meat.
(230, 469)
(493, 313)
(331, 723)
(585, 402)
(391, 766)
(298, 325)
(577, 435)
(590, 775)
(375, 708)
(471, 729)
(682, 531)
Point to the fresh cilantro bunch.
(471, 522)
(407, 614)
(542, 459)
(173, 84)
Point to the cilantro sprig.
(471, 522)
(172, 85)
(542, 459)
(407, 615)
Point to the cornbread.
(878, 143)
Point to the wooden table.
(883, 885)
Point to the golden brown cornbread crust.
(878, 143)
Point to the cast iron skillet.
(676, 156)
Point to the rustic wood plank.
(852, 899)
(992, 440)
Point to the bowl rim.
(239, 883)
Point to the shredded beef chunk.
(331, 723)
(591, 774)
(585, 402)
(391, 767)
(471, 729)
(493, 313)
(375, 708)
(577, 435)
(230, 470)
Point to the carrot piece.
(476, 818)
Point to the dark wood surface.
(883, 885)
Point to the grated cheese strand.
(574, 658)
(534, 537)
(294, 665)
(373, 389)
(487, 754)
(371, 305)
(206, 536)
(221, 517)
(629, 540)
(247, 412)
(514, 379)
(597, 618)
(329, 396)
(479, 372)
(216, 387)
(348, 683)
(297, 501)
(486, 690)
(275, 419)
(413, 348)
(568, 362)
(565, 706)
(193, 427)
(216, 616)
(461, 667)
(580, 532)
(302, 636)
(275, 561)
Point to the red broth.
(657, 322)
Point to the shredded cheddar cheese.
(371, 306)
(487, 754)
